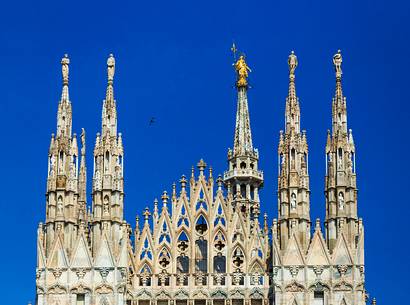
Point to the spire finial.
(164, 198)
(293, 63)
(219, 181)
(242, 70)
(111, 68)
(146, 214)
(201, 166)
(65, 61)
(337, 62)
(183, 183)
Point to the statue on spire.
(242, 72)
(292, 62)
(65, 61)
(111, 67)
(337, 62)
(82, 141)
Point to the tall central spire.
(243, 136)
(243, 179)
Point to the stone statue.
(337, 62)
(111, 67)
(82, 141)
(293, 201)
(60, 206)
(65, 61)
(341, 201)
(292, 62)
(242, 71)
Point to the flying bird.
(151, 121)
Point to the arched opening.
(318, 297)
(201, 255)
(220, 263)
(107, 161)
(201, 225)
(243, 165)
(292, 158)
(145, 276)
(183, 249)
(238, 258)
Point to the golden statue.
(242, 71)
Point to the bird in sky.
(151, 121)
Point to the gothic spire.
(64, 122)
(292, 115)
(109, 116)
(243, 136)
(293, 183)
(243, 178)
(340, 185)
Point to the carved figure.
(293, 201)
(65, 61)
(337, 62)
(242, 71)
(341, 201)
(292, 62)
(111, 67)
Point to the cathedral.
(205, 241)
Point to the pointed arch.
(164, 257)
(183, 217)
(220, 218)
(201, 202)
(238, 258)
(183, 246)
(201, 224)
(146, 249)
(164, 235)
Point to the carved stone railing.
(205, 280)
(243, 173)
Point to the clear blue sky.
(174, 63)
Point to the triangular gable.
(220, 200)
(293, 255)
(164, 218)
(257, 243)
(341, 253)
(140, 244)
(317, 253)
(58, 257)
(276, 259)
(122, 259)
(201, 187)
(360, 250)
(104, 257)
(41, 259)
(81, 256)
(183, 204)
(238, 225)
